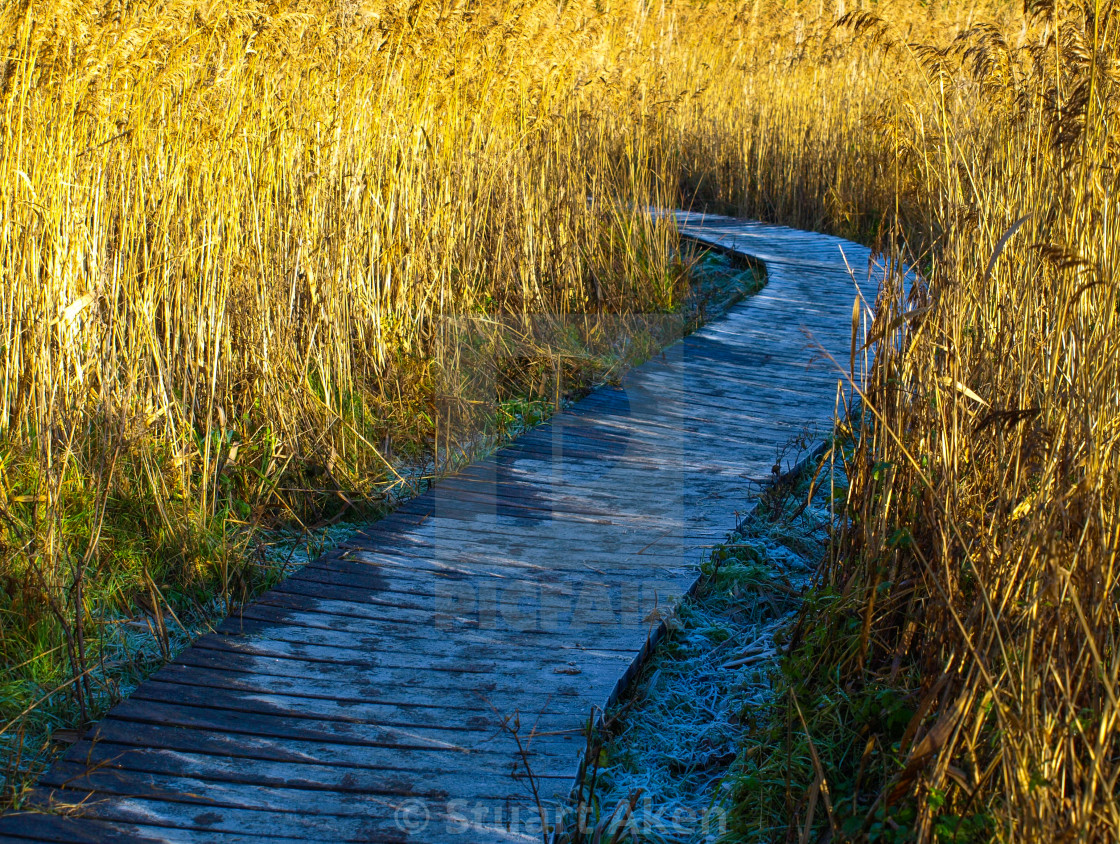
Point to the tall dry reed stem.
(984, 509)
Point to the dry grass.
(978, 567)
(237, 240)
(234, 238)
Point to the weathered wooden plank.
(399, 635)
(147, 804)
(499, 545)
(254, 748)
(400, 651)
(198, 822)
(471, 619)
(384, 668)
(345, 693)
(448, 555)
(65, 829)
(438, 682)
(449, 743)
(427, 720)
(595, 608)
(309, 788)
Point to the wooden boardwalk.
(363, 698)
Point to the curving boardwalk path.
(363, 698)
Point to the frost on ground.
(131, 647)
(662, 771)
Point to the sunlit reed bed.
(231, 235)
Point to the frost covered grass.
(669, 758)
(130, 647)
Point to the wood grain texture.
(364, 698)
